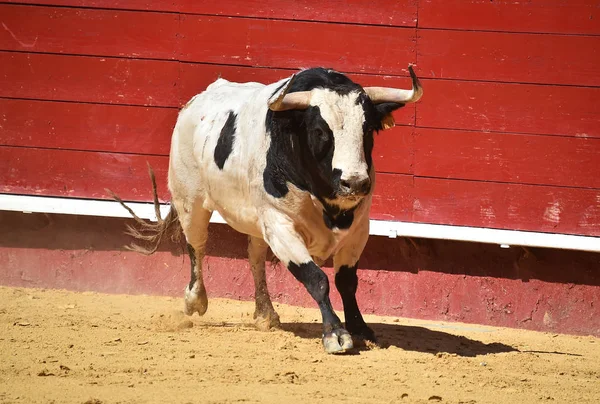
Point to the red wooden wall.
(506, 136)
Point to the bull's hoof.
(337, 341)
(195, 301)
(266, 322)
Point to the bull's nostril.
(364, 185)
(356, 185)
(367, 186)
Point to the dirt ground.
(64, 347)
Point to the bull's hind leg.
(194, 220)
(265, 315)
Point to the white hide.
(345, 118)
(293, 226)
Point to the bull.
(289, 164)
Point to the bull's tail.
(151, 234)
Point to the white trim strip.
(87, 207)
(505, 238)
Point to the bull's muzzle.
(355, 186)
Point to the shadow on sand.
(413, 338)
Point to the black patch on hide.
(225, 142)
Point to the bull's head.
(336, 119)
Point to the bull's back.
(211, 152)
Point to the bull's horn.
(282, 101)
(387, 94)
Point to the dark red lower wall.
(539, 289)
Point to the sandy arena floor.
(64, 347)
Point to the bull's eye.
(320, 143)
(321, 135)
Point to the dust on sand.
(65, 347)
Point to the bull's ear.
(385, 112)
(388, 122)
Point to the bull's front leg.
(289, 247)
(335, 337)
(346, 282)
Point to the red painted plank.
(545, 16)
(86, 174)
(135, 82)
(517, 108)
(507, 206)
(393, 197)
(393, 151)
(88, 32)
(496, 56)
(375, 12)
(150, 5)
(89, 79)
(80, 174)
(136, 130)
(470, 203)
(93, 127)
(285, 44)
(533, 159)
(194, 78)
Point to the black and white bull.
(290, 165)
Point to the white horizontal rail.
(87, 207)
(393, 229)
